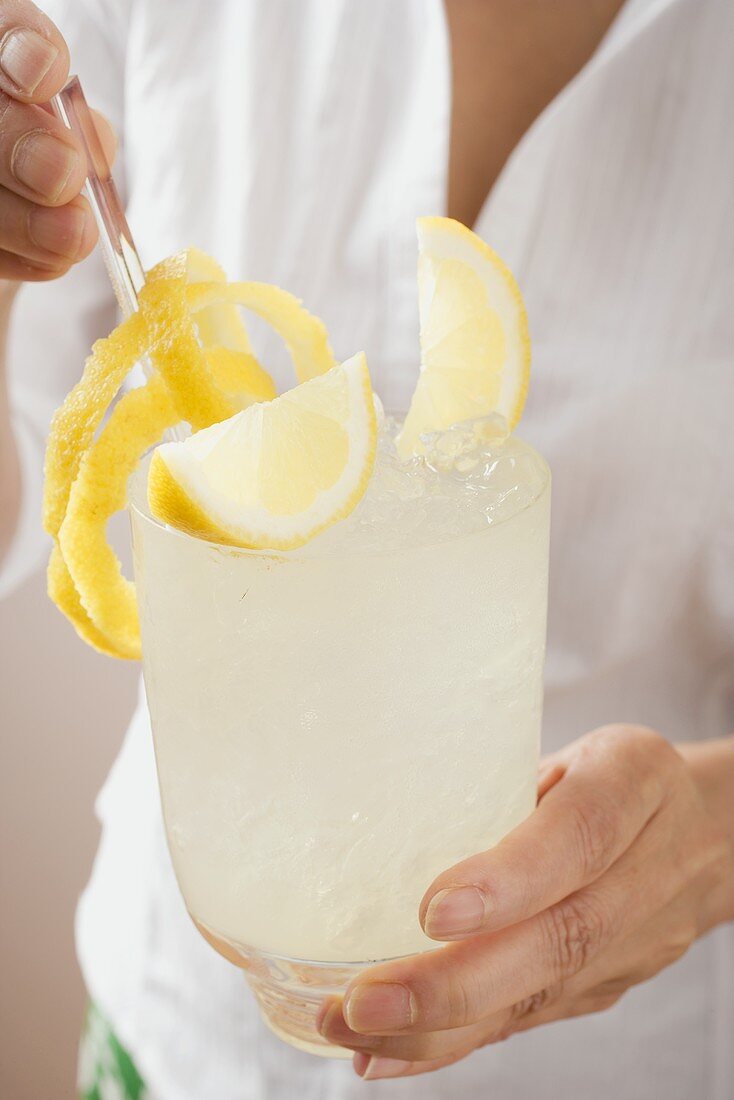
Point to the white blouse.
(297, 141)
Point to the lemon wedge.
(276, 474)
(475, 348)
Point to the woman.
(297, 140)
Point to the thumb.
(34, 59)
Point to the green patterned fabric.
(106, 1070)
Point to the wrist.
(711, 766)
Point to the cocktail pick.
(116, 241)
(118, 248)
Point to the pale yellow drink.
(336, 725)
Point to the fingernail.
(361, 1062)
(58, 230)
(379, 1006)
(455, 911)
(43, 163)
(327, 1018)
(377, 1068)
(26, 57)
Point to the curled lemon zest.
(190, 328)
(304, 334)
(76, 421)
(64, 593)
(107, 597)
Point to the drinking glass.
(332, 729)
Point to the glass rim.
(301, 554)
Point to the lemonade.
(341, 615)
(335, 726)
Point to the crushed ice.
(471, 475)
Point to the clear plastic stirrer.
(116, 241)
(120, 255)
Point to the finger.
(629, 959)
(610, 789)
(579, 996)
(34, 60)
(17, 269)
(473, 979)
(40, 158)
(105, 132)
(425, 1046)
(537, 1013)
(377, 1069)
(107, 135)
(649, 947)
(46, 234)
(598, 988)
(453, 988)
(230, 953)
(549, 773)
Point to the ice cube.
(462, 446)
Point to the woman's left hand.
(628, 858)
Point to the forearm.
(711, 765)
(9, 466)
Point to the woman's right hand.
(45, 223)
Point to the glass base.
(291, 993)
